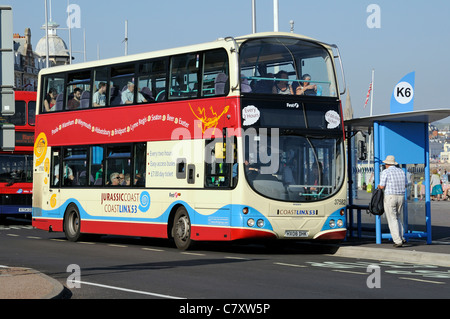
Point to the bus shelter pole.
(427, 185)
(376, 169)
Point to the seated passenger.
(114, 179)
(128, 95)
(50, 99)
(99, 97)
(282, 87)
(127, 181)
(74, 103)
(305, 87)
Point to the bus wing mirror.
(362, 150)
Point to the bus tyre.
(72, 223)
(181, 230)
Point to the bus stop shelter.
(404, 135)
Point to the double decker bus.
(16, 167)
(239, 138)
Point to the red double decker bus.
(16, 167)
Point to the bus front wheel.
(72, 223)
(181, 230)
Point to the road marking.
(85, 243)
(152, 249)
(12, 235)
(351, 272)
(127, 290)
(238, 258)
(33, 237)
(290, 265)
(120, 246)
(437, 242)
(5, 227)
(421, 280)
(193, 254)
(55, 239)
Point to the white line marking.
(238, 258)
(194, 254)
(352, 272)
(152, 249)
(127, 290)
(290, 265)
(12, 235)
(120, 246)
(421, 280)
(33, 237)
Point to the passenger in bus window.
(282, 86)
(50, 99)
(114, 179)
(305, 87)
(139, 180)
(68, 175)
(74, 103)
(99, 97)
(128, 95)
(127, 181)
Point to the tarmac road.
(23, 283)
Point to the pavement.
(26, 283)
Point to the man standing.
(393, 181)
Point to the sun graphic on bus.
(40, 148)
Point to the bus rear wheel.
(181, 230)
(72, 223)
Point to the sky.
(399, 37)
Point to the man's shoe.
(398, 245)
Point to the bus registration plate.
(296, 233)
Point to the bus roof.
(221, 42)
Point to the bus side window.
(100, 93)
(184, 76)
(215, 73)
(152, 81)
(74, 169)
(118, 165)
(122, 82)
(55, 172)
(53, 93)
(78, 90)
(140, 153)
(96, 166)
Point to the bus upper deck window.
(53, 93)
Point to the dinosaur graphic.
(208, 122)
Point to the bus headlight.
(251, 222)
(332, 223)
(260, 223)
(340, 223)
